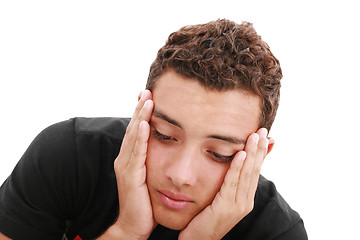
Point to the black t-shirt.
(64, 186)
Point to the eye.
(162, 137)
(220, 158)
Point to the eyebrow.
(228, 139)
(163, 116)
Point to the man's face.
(194, 134)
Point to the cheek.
(157, 159)
(210, 174)
(213, 178)
(155, 153)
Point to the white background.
(61, 59)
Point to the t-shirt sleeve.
(37, 197)
(296, 232)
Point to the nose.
(182, 169)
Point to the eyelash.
(162, 136)
(221, 158)
(216, 156)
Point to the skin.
(183, 162)
(186, 161)
(3, 237)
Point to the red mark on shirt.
(77, 238)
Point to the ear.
(271, 144)
(140, 95)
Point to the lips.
(173, 200)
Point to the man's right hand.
(135, 219)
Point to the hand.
(135, 211)
(235, 199)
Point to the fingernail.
(141, 125)
(257, 138)
(244, 156)
(147, 103)
(266, 132)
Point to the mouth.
(173, 200)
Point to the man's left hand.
(235, 199)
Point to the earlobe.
(140, 95)
(271, 144)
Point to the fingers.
(261, 153)
(138, 156)
(231, 180)
(256, 150)
(142, 98)
(142, 112)
(247, 170)
(242, 177)
(145, 96)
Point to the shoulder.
(69, 136)
(64, 173)
(65, 139)
(269, 199)
(111, 127)
(271, 218)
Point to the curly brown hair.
(223, 55)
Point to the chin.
(171, 220)
(171, 224)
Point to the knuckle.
(130, 133)
(139, 154)
(262, 147)
(139, 106)
(263, 144)
(247, 208)
(236, 169)
(116, 165)
(251, 153)
(234, 184)
(247, 175)
(257, 170)
(136, 154)
(128, 129)
(251, 206)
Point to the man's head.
(223, 55)
(212, 86)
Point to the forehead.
(188, 102)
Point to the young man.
(187, 165)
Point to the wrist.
(117, 232)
